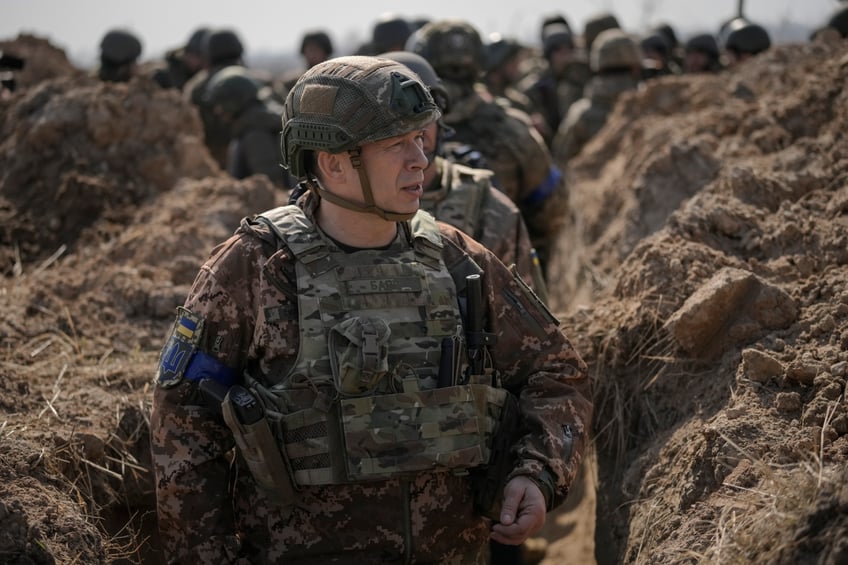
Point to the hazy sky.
(264, 25)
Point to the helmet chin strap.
(369, 207)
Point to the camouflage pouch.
(359, 354)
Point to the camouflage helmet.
(597, 24)
(453, 47)
(232, 89)
(119, 47)
(746, 37)
(343, 103)
(614, 50)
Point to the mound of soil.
(703, 279)
(706, 274)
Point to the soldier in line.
(616, 61)
(119, 53)
(253, 125)
(335, 330)
(183, 63)
(743, 40)
(315, 47)
(503, 60)
(562, 81)
(464, 197)
(505, 136)
(222, 48)
(702, 54)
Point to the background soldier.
(464, 197)
(505, 136)
(253, 125)
(119, 53)
(183, 63)
(617, 63)
(702, 54)
(328, 325)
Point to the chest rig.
(361, 402)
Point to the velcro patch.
(180, 348)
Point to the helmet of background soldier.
(668, 33)
(595, 25)
(705, 43)
(319, 38)
(343, 103)
(744, 37)
(839, 21)
(453, 47)
(119, 47)
(499, 50)
(556, 36)
(390, 33)
(613, 51)
(656, 43)
(197, 41)
(231, 89)
(552, 19)
(223, 46)
(425, 72)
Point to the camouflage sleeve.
(540, 366)
(190, 444)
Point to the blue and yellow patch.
(180, 348)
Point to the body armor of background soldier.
(119, 53)
(332, 343)
(616, 61)
(506, 137)
(253, 125)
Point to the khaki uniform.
(245, 301)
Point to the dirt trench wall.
(711, 245)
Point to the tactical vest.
(361, 401)
(460, 197)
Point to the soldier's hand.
(522, 514)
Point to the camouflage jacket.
(465, 198)
(209, 507)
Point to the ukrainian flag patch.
(180, 348)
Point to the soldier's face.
(395, 168)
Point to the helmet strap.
(369, 207)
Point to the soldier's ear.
(331, 166)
